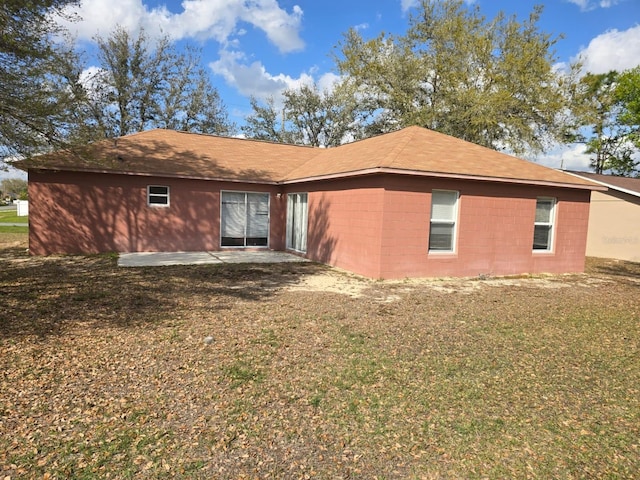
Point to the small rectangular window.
(444, 213)
(157, 196)
(543, 224)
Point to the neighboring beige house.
(614, 218)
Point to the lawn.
(14, 230)
(313, 373)
(9, 216)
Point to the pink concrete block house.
(413, 203)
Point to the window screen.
(543, 225)
(444, 212)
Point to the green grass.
(13, 229)
(9, 216)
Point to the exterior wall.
(379, 227)
(91, 213)
(614, 221)
(345, 223)
(494, 230)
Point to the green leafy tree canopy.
(311, 116)
(490, 82)
(34, 100)
(143, 84)
(14, 188)
(607, 112)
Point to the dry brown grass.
(105, 373)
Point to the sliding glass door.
(244, 219)
(297, 219)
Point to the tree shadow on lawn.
(625, 270)
(45, 296)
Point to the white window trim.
(551, 223)
(167, 196)
(454, 240)
(245, 226)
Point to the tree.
(488, 82)
(607, 112)
(141, 85)
(14, 188)
(326, 118)
(310, 116)
(265, 123)
(595, 107)
(191, 103)
(33, 95)
(628, 94)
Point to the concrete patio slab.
(152, 259)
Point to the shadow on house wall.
(107, 210)
(321, 244)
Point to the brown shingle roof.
(412, 150)
(625, 184)
(419, 150)
(171, 153)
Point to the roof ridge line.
(397, 150)
(246, 139)
(321, 151)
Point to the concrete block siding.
(369, 202)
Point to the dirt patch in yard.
(337, 281)
(17, 241)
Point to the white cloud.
(612, 50)
(201, 19)
(280, 27)
(328, 81)
(407, 4)
(583, 4)
(253, 79)
(567, 157)
(250, 78)
(586, 5)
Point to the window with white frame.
(444, 214)
(157, 196)
(244, 219)
(543, 225)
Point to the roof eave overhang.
(159, 174)
(607, 185)
(334, 176)
(457, 176)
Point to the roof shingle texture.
(625, 183)
(410, 150)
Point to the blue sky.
(260, 47)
